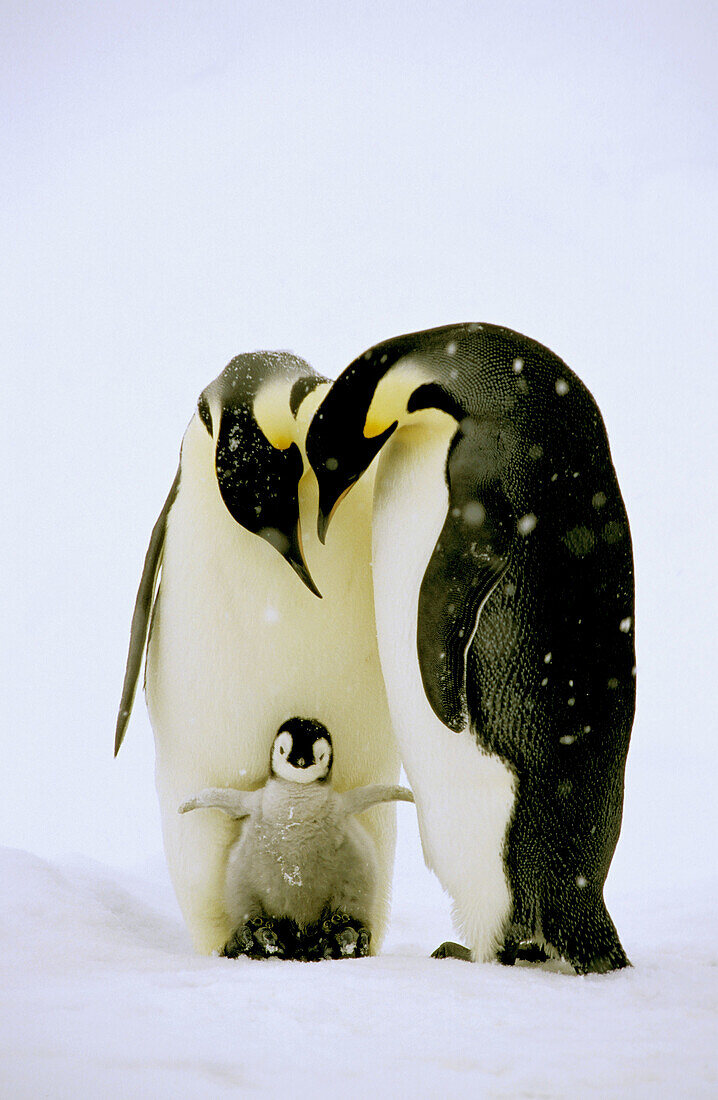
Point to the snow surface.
(102, 995)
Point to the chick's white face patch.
(280, 751)
(304, 773)
(322, 753)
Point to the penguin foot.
(337, 936)
(521, 951)
(262, 938)
(451, 950)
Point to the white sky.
(186, 181)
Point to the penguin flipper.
(142, 613)
(361, 798)
(470, 556)
(236, 804)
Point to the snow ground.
(102, 995)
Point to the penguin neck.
(282, 796)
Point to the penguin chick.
(302, 857)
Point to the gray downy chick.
(302, 853)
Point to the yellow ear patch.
(273, 414)
(392, 395)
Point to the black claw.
(336, 936)
(525, 951)
(262, 938)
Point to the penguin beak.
(334, 484)
(322, 524)
(294, 554)
(326, 513)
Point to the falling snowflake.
(474, 513)
(561, 386)
(527, 523)
(613, 531)
(579, 541)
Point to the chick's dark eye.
(282, 750)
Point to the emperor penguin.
(301, 880)
(246, 618)
(503, 583)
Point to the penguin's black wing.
(361, 798)
(142, 613)
(470, 556)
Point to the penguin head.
(374, 396)
(302, 751)
(250, 413)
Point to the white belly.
(238, 646)
(464, 796)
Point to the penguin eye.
(282, 750)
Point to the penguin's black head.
(258, 463)
(367, 403)
(302, 751)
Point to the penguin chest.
(464, 796)
(292, 861)
(239, 645)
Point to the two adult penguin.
(237, 636)
(503, 585)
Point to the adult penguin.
(503, 583)
(237, 636)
